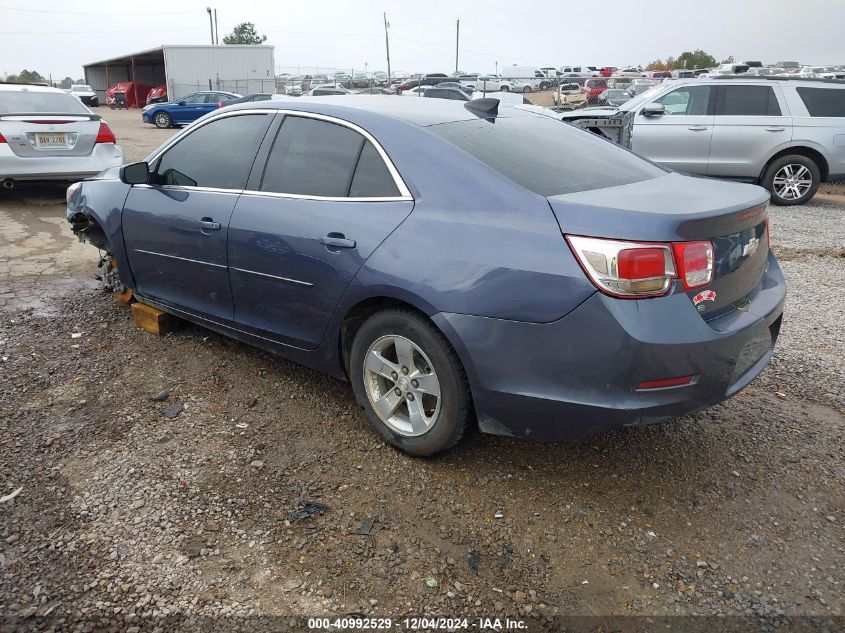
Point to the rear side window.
(748, 101)
(37, 102)
(823, 102)
(319, 158)
(218, 154)
(372, 180)
(532, 151)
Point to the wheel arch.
(358, 312)
(802, 150)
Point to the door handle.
(337, 240)
(207, 224)
(697, 128)
(775, 129)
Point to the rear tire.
(526, 89)
(792, 179)
(163, 120)
(398, 362)
(504, 89)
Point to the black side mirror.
(135, 174)
(181, 103)
(653, 109)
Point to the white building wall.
(240, 69)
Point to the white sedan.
(46, 134)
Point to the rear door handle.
(775, 129)
(337, 240)
(207, 224)
(698, 128)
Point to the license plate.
(50, 140)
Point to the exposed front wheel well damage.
(87, 229)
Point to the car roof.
(421, 112)
(32, 87)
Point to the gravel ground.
(165, 480)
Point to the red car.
(157, 95)
(593, 87)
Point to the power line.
(95, 32)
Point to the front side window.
(319, 158)
(749, 101)
(218, 154)
(688, 101)
(823, 102)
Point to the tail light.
(220, 104)
(768, 229)
(104, 134)
(625, 269)
(636, 270)
(2, 140)
(695, 261)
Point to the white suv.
(786, 134)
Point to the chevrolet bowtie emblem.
(751, 247)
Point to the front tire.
(163, 120)
(504, 89)
(410, 382)
(792, 180)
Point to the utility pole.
(216, 32)
(457, 43)
(210, 24)
(387, 47)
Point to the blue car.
(187, 109)
(458, 263)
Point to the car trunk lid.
(42, 135)
(675, 208)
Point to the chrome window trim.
(287, 279)
(183, 259)
(404, 192)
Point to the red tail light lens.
(2, 140)
(105, 135)
(641, 263)
(695, 263)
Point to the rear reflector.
(695, 263)
(665, 382)
(105, 135)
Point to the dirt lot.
(161, 477)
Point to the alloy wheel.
(401, 385)
(162, 120)
(792, 181)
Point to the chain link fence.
(237, 86)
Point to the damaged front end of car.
(612, 124)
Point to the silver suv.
(788, 135)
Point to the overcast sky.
(57, 37)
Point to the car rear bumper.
(580, 375)
(103, 156)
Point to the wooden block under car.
(152, 319)
(123, 299)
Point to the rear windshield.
(36, 102)
(824, 102)
(545, 155)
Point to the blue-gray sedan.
(458, 263)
